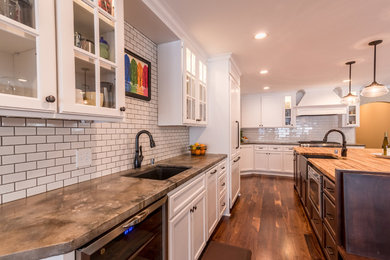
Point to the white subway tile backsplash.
(13, 121)
(14, 196)
(36, 190)
(14, 177)
(11, 159)
(20, 167)
(25, 184)
(4, 131)
(36, 139)
(43, 151)
(13, 140)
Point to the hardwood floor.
(269, 220)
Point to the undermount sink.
(159, 172)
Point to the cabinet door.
(198, 230)
(201, 117)
(234, 116)
(275, 162)
(272, 109)
(212, 201)
(28, 57)
(251, 111)
(235, 180)
(91, 80)
(288, 162)
(247, 158)
(261, 160)
(179, 234)
(191, 87)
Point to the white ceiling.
(308, 44)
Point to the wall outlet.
(83, 157)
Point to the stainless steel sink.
(159, 172)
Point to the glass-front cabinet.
(288, 111)
(195, 99)
(28, 57)
(90, 57)
(352, 118)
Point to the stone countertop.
(357, 159)
(60, 221)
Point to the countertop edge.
(69, 246)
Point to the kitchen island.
(343, 197)
(60, 221)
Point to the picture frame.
(137, 76)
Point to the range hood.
(319, 102)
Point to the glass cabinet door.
(25, 79)
(190, 87)
(94, 49)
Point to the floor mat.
(216, 250)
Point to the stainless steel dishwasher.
(139, 237)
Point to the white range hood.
(320, 102)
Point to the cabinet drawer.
(330, 189)
(315, 220)
(222, 184)
(222, 166)
(222, 203)
(275, 148)
(329, 214)
(330, 247)
(288, 148)
(261, 147)
(181, 198)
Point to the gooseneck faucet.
(344, 149)
(138, 148)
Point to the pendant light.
(374, 89)
(350, 99)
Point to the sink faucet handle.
(141, 157)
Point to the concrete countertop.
(357, 159)
(60, 221)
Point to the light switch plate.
(83, 157)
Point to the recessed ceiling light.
(346, 80)
(266, 88)
(261, 35)
(263, 71)
(22, 80)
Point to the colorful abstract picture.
(137, 76)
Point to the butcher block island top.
(357, 159)
(60, 221)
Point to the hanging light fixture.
(350, 99)
(374, 89)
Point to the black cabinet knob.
(122, 109)
(50, 99)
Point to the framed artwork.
(137, 76)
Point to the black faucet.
(138, 149)
(344, 149)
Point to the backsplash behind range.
(307, 128)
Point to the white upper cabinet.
(182, 86)
(251, 111)
(271, 110)
(28, 57)
(90, 49)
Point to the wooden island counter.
(346, 199)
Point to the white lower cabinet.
(267, 158)
(194, 210)
(235, 179)
(288, 161)
(198, 224)
(212, 200)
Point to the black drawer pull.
(213, 172)
(223, 184)
(223, 204)
(330, 189)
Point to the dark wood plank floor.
(269, 220)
